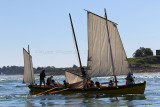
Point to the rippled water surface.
(14, 93)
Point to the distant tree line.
(11, 70)
(50, 70)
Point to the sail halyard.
(100, 58)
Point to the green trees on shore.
(142, 52)
(144, 56)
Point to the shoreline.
(145, 69)
(134, 69)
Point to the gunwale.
(138, 88)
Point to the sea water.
(15, 94)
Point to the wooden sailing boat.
(106, 57)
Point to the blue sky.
(45, 26)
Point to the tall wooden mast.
(113, 69)
(75, 42)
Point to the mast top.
(28, 49)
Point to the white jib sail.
(72, 78)
(75, 80)
(28, 68)
(99, 55)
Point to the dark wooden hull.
(138, 88)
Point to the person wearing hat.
(129, 79)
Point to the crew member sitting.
(97, 84)
(49, 80)
(129, 79)
(91, 84)
(66, 84)
(110, 83)
(53, 84)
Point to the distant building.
(157, 52)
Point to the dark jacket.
(42, 75)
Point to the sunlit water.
(15, 94)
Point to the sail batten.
(28, 68)
(100, 50)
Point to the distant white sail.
(99, 55)
(28, 68)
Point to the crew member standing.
(42, 76)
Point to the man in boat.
(89, 83)
(129, 79)
(110, 83)
(49, 80)
(42, 76)
(66, 84)
(83, 72)
(53, 84)
(98, 84)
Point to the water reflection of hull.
(138, 88)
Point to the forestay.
(28, 68)
(99, 55)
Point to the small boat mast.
(75, 42)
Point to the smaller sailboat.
(28, 68)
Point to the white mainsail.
(28, 68)
(99, 54)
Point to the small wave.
(2, 79)
(13, 96)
